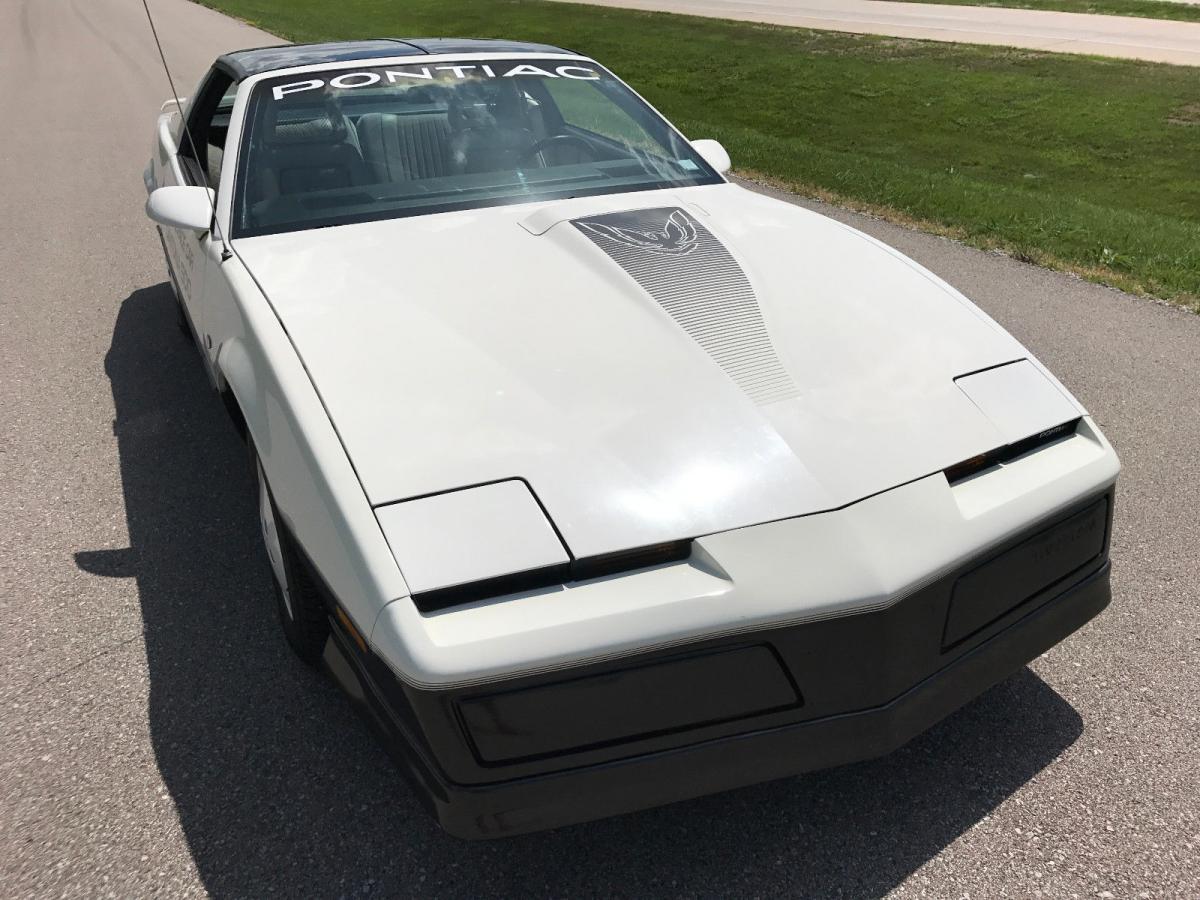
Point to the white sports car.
(599, 481)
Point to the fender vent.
(691, 275)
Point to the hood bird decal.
(686, 269)
(676, 238)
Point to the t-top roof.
(244, 63)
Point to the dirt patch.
(1188, 114)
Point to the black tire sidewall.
(307, 628)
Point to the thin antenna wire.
(179, 106)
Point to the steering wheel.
(560, 140)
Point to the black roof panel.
(244, 63)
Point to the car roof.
(244, 63)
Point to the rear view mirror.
(713, 154)
(190, 208)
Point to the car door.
(193, 155)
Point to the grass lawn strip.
(1085, 164)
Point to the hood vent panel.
(691, 275)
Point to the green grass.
(1142, 9)
(1085, 164)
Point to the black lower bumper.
(852, 688)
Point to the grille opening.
(976, 464)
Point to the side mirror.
(190, 208)
(713, 153)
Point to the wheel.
(301, 609)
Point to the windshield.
(331, 148)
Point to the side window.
(208, 126)
(581, 105)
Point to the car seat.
(397, 147)
(313, 154)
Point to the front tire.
(301, 610)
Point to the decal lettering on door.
(183, 255)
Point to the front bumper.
(558, 748)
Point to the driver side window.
(208, 127)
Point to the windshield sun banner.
(451, 71)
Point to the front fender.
(314, 485)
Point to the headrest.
(327, 126)
(314, 131)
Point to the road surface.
(156, 737)
(1156, 40)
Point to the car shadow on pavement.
(281, 788)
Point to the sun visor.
(470, 535)
(1018, 399)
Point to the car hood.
(655, 366)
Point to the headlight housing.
(491, 540)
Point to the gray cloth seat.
(404, 147)
(317, 154)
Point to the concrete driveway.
(1157, 40)
(157, 738)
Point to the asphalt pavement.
(156, 737)
(1127, 37)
